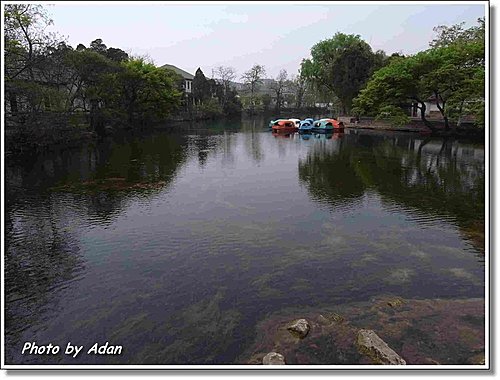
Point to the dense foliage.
(215, 97)
(342, 65)
(44, 75)
(451, 74)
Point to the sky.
(278, 36)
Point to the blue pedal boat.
(306, 125)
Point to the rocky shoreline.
(386, 330)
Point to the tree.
(127, 91)
(342, 64)
(397, 85)
(278, 86)
(456, 33)
(467, 47)
(252, 79)
(454, 75)
(224, 76)
(91, 84)
(25, 37)
(266, 101)
(298, 85)
(117, 55)
(145, 91)
(451, 73)
(232, 104)
(98, 46)
(380, 59)
(211, 108)
(46, 77)
(25, 44)
(201, 87)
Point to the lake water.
(176, 244)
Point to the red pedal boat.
(284, 126)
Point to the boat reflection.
(329, 135)
(283, 134)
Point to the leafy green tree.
(90, 70)
(146, 92)
(127, 91)
(342, 65)
(44, 75)
(453, 34)
(117, 55)
(469, 45)
(451, 73)
(398, 85)
(24, 46)
(380, 59)
(91, 85)
(454, 75)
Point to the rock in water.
(376, 349)
(299, 328)
(273, 358)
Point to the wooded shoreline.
(51, 87)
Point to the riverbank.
(51, 131)
(414, 126)
(420, 331)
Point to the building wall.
(431, 109)
(188, 86)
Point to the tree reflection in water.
(428, 176)
(42, 250)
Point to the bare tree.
(299, 87)
(279, 86)
(224, 76)
(253, 78)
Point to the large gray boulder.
(273, 358)
(371, 345)
(300, 328)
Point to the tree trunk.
(459, 121)
(13, 104)
(426, 122)
(446, 123)
(441, 109)
(96, 122)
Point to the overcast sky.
(238, 35)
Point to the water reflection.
(42, 257)
(178, 244)
(328, 172)
(441, 178)
(42, 250)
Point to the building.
(188, 78)
(431, 109)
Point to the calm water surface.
(213, 229)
